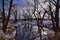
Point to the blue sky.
(21, 2)
(0, 3)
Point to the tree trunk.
(6, 20)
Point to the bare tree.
(54, 15)
(15, 12)
(5, 20)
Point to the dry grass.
(2, 38)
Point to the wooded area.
(29, 21)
